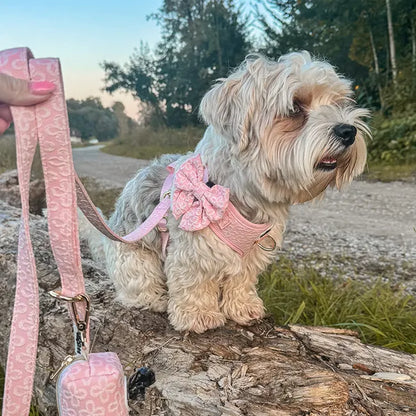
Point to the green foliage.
(88, 118)
(380, 314)
(394, 139)
(201, 41)
(147, 143)
(351, 34)
(388, 172)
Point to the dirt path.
(369, 230)
(109, 170)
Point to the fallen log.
(231, 371)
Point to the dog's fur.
(269, 125)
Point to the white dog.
(278, 133)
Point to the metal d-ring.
(274, 245)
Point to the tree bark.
(260, 370)
(391, 43)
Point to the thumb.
(15, 91)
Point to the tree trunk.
(376, 66)
(391, 43)
(259, 370)
(412, 24)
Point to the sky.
(82, 34)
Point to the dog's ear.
(233, 104)
(221, 107)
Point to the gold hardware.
(81, 325)
(165, 194)
(57, 295)
(67, 360)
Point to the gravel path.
(111, 171)
(368, 231)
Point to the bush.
(147, 143)
(394, 139)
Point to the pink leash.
(46, 124)
(157, 218)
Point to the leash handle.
(46, 124)
(21, 358)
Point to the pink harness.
(187, 195)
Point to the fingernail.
(41, 87)
(4, 125)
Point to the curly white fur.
(269, 125)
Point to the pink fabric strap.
(90, 211)
(46, 124)
(239, 233)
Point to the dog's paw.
(244, 311)
(155, 303)
(195, 321)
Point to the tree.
(88, 118)
(126, 124)
(391, 43)
(356, 36)
(201, 41)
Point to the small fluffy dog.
(279, 133)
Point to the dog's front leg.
(240, 301)
(193, 294)
(137, 275)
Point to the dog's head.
(291, 124)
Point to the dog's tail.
(92, 236)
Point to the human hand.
(14, 91)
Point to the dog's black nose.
(346, 133)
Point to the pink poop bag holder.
(88, 384)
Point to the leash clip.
(81, 346)
(82, 297)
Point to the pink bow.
(197, 203)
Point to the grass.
(7, 153)
(383, 172)
(147, 143)
(8, 157)
(382, 314)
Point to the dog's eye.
(297, 109)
